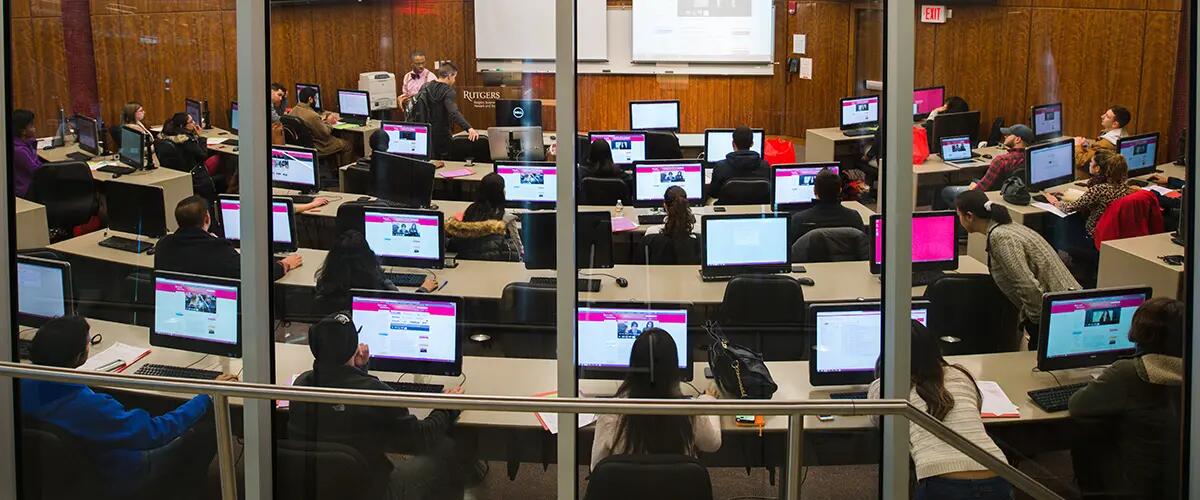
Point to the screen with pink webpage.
(417, 330)
(933, 239)
(927, 100)
(1091, 325)
(606, 336)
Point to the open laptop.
(956, 150)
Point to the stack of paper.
(116, 358)
(621, 224)
(995, 402)
(450, 174)
(549, 421)
(1050, 208)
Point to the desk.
(218, 133)
(33, 230)
(1134, 261)
(829, 144)
(88, 246)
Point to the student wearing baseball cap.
(1016, 139)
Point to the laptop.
(956, 150)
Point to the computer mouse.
(987, 157)
(622, 282)
(364, 198)
(151, 250)
(806, 281)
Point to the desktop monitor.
(1047, 121)
(744, 243)
(133, 147)
(848, 341)
(794, 184)
(1140, 152)
(955, 125)
(405, 237)
(195, 110)
(956, 148)
(627, 147)
(934, 244)
(1049, 165)
(233, 117)
(518, 113)
(354, 106)
(197, 314)
(315, 87)
(294, 168)
(1087, 328)
(926, 100)
(516, 143)
(45, 290)
(606, 333)
(860, 112)
(651, 178)
(87, 132)
(593, 240)
(283, 222)
(529, 184)
(654, 115)
(408, 139)
(136, 208)
(409, 333)
(403, 179)
(718, 142)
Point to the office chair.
(68, 192)
(357, 179)
(662, 146)
(649, 477)
(314, 470)
(170, 156)
(295, 132)
(114, 133)
(46, 452)
(995, 138)
(971, 316)
(137, 292)
(831, 244)
(478, 150)
(530, 309)
(605, 192)
(661, 249)
(766, 312)
(745, 192)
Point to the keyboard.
(858, 132)
(175, 371)
(77, 156)
(405, 280)
(415, 387)
(126, 244)
(581, 284)
(711, 278)
(116, 170)
(849, 395)
(1138, 182)
(1041, 198)
(231, 142)
(924, 278)
(652, 219)
(1054, 398)
(24, 348)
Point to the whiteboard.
(524, 29)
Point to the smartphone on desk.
(748, 420)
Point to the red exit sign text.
(933, 13)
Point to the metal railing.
(795, 410)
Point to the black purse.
(738, 370)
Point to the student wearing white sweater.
(948, 393)
(654, 374)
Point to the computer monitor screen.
(593, 240)
(409, 333)
(926, 100)
(316, 88)
(233, 117)
(404, 237)
(195, 110)
(956, 148)
(795, 185)
(654, 115)
(652, 178)
(860, 111)
(529, 184)
(848, 340)
(45, 290)
(294, 167)
(354, 103)
(1088, 328)
(606, 335)
(1047, 121)
(627, 147)
(751, 240)
(283, 222)
(1049, 165)
(1140, 152)
(87, 133)
(718, 143)
(135, 208)
(403, 179)
(934, 244)
(133, 147)
(196, 313)
(518, 113)
(407, 139)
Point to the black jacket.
(373, 431)
(195, 251)
(825, 214)
(443, 107)
(738, 165)
(662, 249)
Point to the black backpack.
(422, 109)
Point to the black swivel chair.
(745, 192)
(295, 132)
(530, 309)
(312, 470)
(831, 244)
(995, 138)
(478, 150)
(649, 477)
(69, 193)
(971, 316)
(662, 146)
(170, 156)
(46, 452)
(137, 294)
(766, 312)
(606, 192)
(661, 249)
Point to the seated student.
(742, 163)
(132, 115)
(1016, 139)
(1021, 262)
(141, 453)
(947, 393)
(954, 104)
(655, 434)
(340, 361)
(676, 244)
(1112, 129)
(349, 264)
(25, 158)
(827, 209)
(599, 164)
(190, 153)
(1142, 394)
(1109, 172)
(321, 126)
(486, 231)
(192, 249)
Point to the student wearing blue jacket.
(136, 450)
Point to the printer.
(381, 85)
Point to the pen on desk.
(111, 366)
(443, 285)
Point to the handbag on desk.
(738, 370)
(1014, 190)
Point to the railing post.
(225, 448)
(564, 78)
(795, 456)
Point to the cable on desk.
(464, 379)
(196, 361)
(401, 377)
(1035, 370)
(698, 393)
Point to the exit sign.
(933, 13)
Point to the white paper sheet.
(125, 353)
(1050, 208)
(995, 401)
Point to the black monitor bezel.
(1153, 165)
(754, 131)
(407, 194)
(354, 91)
(530, 205)
(409, 262)
(922, 116)
(1056, 181)
(942, 265)
(842, 117)
(936, 132)
(593, 373)
(95, 126)
(452, 369)
(694, 199)
(428, 139)
(276, 247)
(154, 215)
(1033, 122)
(194, 345)
(784, 266)
(233, 105)
(64, 268)
(138, 163)
(821, 379)
(678, 108)
(549, 259)
(1080, 360)
(791, 207)
(296, 185)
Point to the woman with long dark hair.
(486, 231)
(654, 374)
(675, 244)
(948, 393)
(350, 264)
(599, 162)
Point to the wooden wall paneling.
(118, 59)
(18, 9)
(754, 101)
(293, 48)
(349, 41)
(1092, 4)
(1173, 5)
(45, 8)
(813, 103)
(118, 7)
(435, 27)
(198, 63)
(868, 47)
(924, 48)
(229, 18)
(1077, 66)
(1156, 106)
(39, 69)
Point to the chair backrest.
(649, 477)
(745, 192)
(662, 146)
(169, 156)
(138, 297)
(662, 249)
(530, 309)
(313, 470)
(296, 132)
(1133, 215)
(831, 244)
(763, 299)
(68, 191)
(995, 138)
(46, 452)
(971, 315)
(114, 132)
(462, 148)
(597, 191)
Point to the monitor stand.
(924, 278)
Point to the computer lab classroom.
(730, 179)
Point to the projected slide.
(703, 30)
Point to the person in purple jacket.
(140, 452)
(25, 159)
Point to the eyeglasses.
(96, 339)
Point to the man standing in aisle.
(435, 104)
(414, 80)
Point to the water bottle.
(620, 206)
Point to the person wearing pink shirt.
(415, 79)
